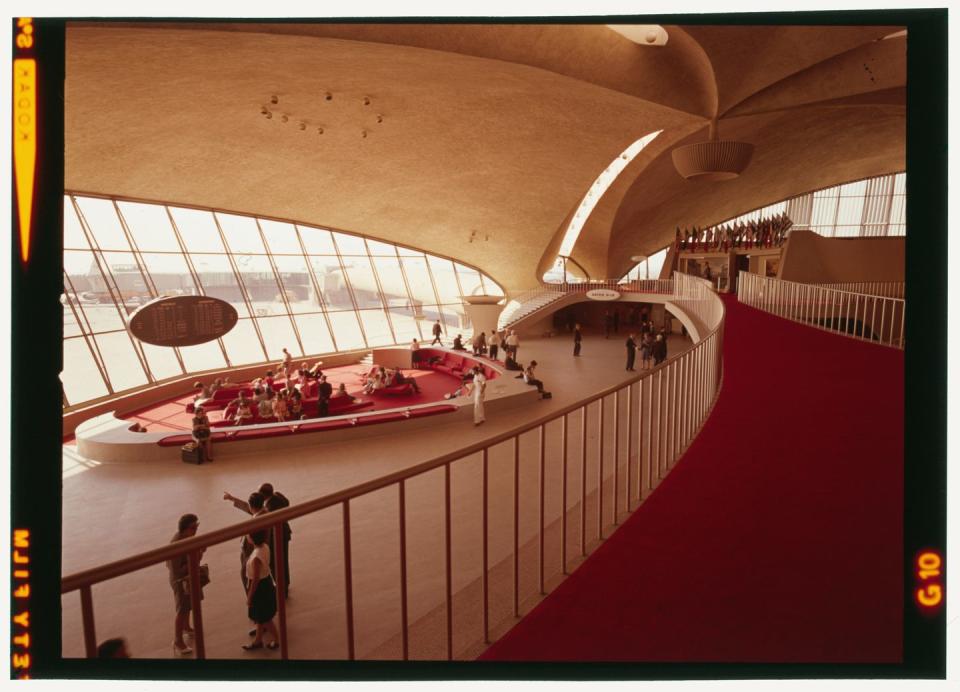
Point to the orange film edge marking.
(25, 144)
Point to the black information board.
(182, 320)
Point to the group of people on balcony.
(258, 572)
(767, 232)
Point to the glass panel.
(91, 291)
(150, 226)
(241, 234)
(405, 325)
(491, 287)
(81, 379)
(407, 252)
(295, 277)
(218, 280)
(850, 211)
(103, 223)
(206, 356)
(169, 273)
(454, 320)
(350, 244)
(277, 335)
(70, 325)
(383, 249)
(854, 189)
(469, 281)
(281, 237)
(419, 279)
(329, 278)
(73, 236)
(128, 279)
(391, 281)
(314, 334)
(900, 184)
(123, 366)
(376, 328)
(363, 282)
(197, 230)
(262, 289)
(243, 344)
(445, 279)
(317, 241)
(347, 330)
(824, 211)
(162, 360)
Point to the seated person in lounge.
(374, 382)
(315, 371)
(458, 343)
(280, 405)
(388, 376)
(529, 376)
(466, 386)
(268, 380)
(265, 407)
(295, 406)
(342, 392)
(398, 378)
(202, 393)
(244, 411)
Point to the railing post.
(89, 626)
(404, 634)
(583, 480)
(280, 577)
(600, 474)
(449, 559)
(486, 557)
(348, 579)
(542, 485)
(616, 454)
(516, 526)
(629, 445)
(563, 522)
(196, 604)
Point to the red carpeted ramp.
(776, 538)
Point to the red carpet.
(777, 537)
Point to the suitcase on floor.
(191, 453)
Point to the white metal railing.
(887, 289)
(585, 466)
(523, 304)
(864, 316)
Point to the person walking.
(437, 331)
(577, 338)
(179, 573)
(631, 352)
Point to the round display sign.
(182, 320)
(603, 294)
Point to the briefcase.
(191, 453)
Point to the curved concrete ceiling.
(494, 128)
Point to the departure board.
(182, 320)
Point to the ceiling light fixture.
(714, 159)
(642, 34)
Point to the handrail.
(686, 384)
(869, 317)
(887, 289)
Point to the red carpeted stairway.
(778, 535)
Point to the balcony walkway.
(778, 535)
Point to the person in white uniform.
(479, 389)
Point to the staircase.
(526, 304)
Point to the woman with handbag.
(261, 592)
(180, 583)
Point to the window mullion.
(383, 297)
(436, 293)
(316, 287)
(283, 289)
(346, 282)
(198, 284)
(410, 298)
(242, 286)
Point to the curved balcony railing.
(864, 316)
(584, 467)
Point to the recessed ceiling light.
(642, 34)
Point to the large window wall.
(869, 207)
(310, 290)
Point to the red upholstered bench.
(396, 389)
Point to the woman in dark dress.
(179, 581)
(201, 434)
(261, 592)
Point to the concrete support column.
(483, 312)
